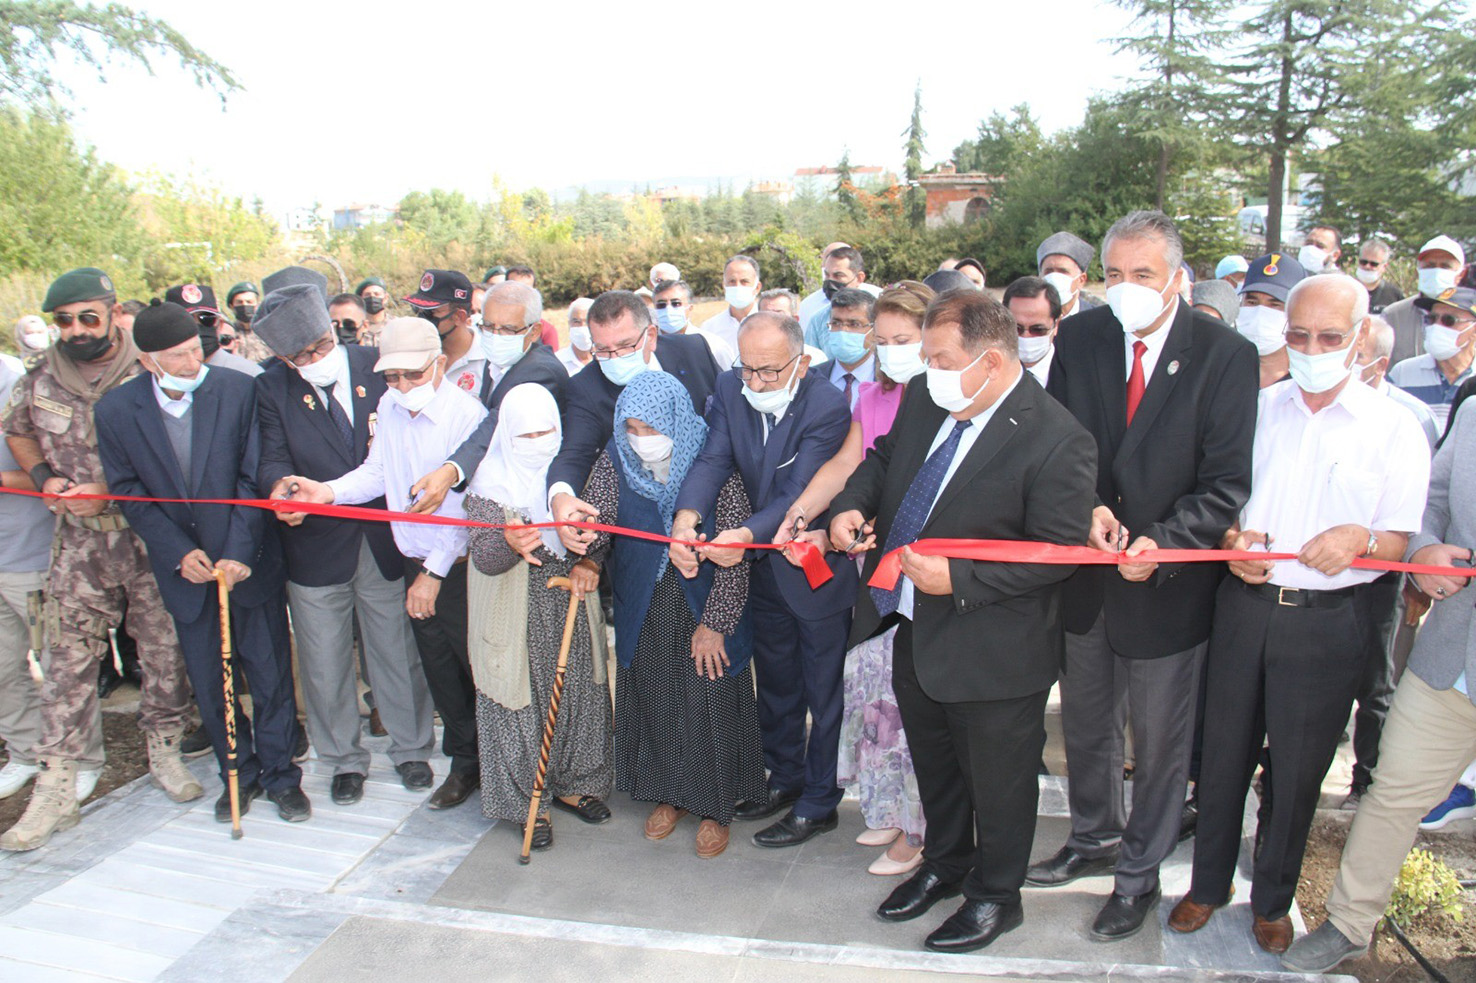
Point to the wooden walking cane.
(233, 784)
(553, 713)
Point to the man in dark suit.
(981, 453)
(511, 315)
(774, 425)
(316, 406)
(1169, 394)
(182, 431)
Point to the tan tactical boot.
(167, 768)
(53, 807)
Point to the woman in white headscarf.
(516, 624)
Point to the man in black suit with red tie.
(1170, 396)
(980, 453)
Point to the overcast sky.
(367, 101)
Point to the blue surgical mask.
(846, 346)
(623, 368)
(502, 350)
(671, 320)
(175, 384)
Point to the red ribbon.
(1012, 551)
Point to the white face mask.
(1319, 373)
(901, 363)
(1033, 348)
(1442, 342)
(945, 386)
(416, 399)
(580, 338)
(1435, 281)
(325, 371)
(36, 341)
(1065, 287)
(1313, 258)
(175, 384)
(502, 350)
(1137, 306)
(1266, 326)
(775, 400)
(534, 452)
(1368, 277)
(738, 298)
(650, 448)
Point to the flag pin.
(359, 391)
(311, 403)
(1173, 366)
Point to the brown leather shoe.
(376, 726)
(712, 839)
(1190, 916)
(1273, 936)
(454, 790)
(662, 821)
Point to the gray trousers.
(1160, 696)
(323, 623)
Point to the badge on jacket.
(309, 402)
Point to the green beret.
(494, 271)
(75, 286)
(244, 287)
(370, 281)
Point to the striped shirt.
(1423, 379)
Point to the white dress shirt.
(406, 448)
(569, 360)
(865, 372)
(174, 407)
(1042, 369)
(724, 326)
(726, 354)
(1360, 460)
(965, 444)
(1154, 343)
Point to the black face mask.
(830, 288)
(209, 342)
(244, 312)
(348, 333)
(86, 348)
(436, 322)
(373, 305)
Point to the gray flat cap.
(1219, 295)
(1065, 244)
(291, 318)
(296, 274)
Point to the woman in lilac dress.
(873, 750)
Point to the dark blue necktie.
(339, 417)
(916, 504)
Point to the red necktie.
(1136, 384)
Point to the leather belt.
(1297, 597)
(107, 522)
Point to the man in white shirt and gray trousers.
(1339, 472)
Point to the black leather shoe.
(300, 749)
(915, 896)
(291, 804)
(793, 830)
(1067, 865)
(1189, 818)
(543, 834)
(195, 743)
(415, 775)
(1122, 916)
(454, 790)
(591, 809)
(247, 792)
(348, 788)
(974, 926)
(766, 807)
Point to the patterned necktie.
(338, 416)
(916, 504)
(850, 387)
(770, 422)
(1136, 385)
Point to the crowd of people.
(1280, 406)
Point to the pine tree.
(845, 187)
(912, 166)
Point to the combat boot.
(53, 807)
(167, 768)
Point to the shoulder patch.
(34, 362)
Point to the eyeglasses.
(88, 319)
(347, 324)
(391, 377)
(849, 325)
(506, 330)
(662, 305)
(309, 355)
(1450, 320)
(1326, 340)
(1034, 330)
(764, 375)
(623, 349)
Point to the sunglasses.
(207, 319)
(391, 377)
(227, 339)
(88, 319)
(1449, 320)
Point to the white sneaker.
(86, 782)
(13, 776)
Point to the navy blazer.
(1179, 475)
(589, 410)
(539, 365)
(298, 437)
(139, 460)
(774, 473)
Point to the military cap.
(193, 297)
(295, 274)
(244, 287)
(1274, 275)
(1463, 298)
(494, 271)
(1219, 295)
(291, 318)
(75, 286)
(1068, 245)
(163, 325)
(370, 281)
(439, 287)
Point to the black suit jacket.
(224, 447)
(1028, 476)
(539, 365)
(589, 409)
(298, 438)
(1179, 475)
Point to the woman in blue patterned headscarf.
(686, 726)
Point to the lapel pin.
(1173, 366)
(359, 391)
(309, 402)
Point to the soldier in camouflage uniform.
(98, 567)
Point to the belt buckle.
(1281, 596)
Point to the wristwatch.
(431, 573)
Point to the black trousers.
(976, 765)
(1283, 676)
(1378, 606)
(441, 639)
